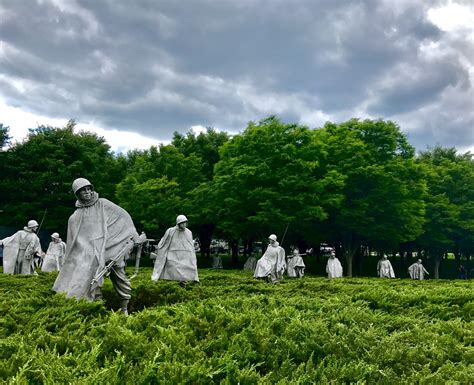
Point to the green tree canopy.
(269, 176)
(449, 203)
(383, 186)
(37, 174)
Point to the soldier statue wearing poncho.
(272, 265)
(54, 257)
(295, 266)
(99, 232)
(384, 268)
(333, 266)
(175, 257)
(417, 270)
(20, 249)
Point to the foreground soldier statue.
(333, 266)
(296, 266)
(384, 268)
(176, 258)
(54, 255)
(20, 249)
(417, 270)
(100, 236)
(272, 265)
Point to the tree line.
(358, 185)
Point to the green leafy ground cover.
(233, 329)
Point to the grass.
(233, 329)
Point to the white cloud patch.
(20, 121)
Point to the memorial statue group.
(101, 235)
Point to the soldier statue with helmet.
(100, 236)
(20, 250)
(53, 259)
(175, 257)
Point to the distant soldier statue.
(333, 266)
(217, 261)
(251, 263)
(20, 249)
(272, 265)
(417, 270)
(384, 268)
(54, 257)
(100, 236)
(175, 258)
(295, 266)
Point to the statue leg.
(122, 287)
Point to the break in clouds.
(157, 67)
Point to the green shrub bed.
(233, 329)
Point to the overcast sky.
(136, 71)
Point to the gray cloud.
(155, 67)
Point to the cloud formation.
(156, 67)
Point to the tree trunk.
(349, 247)
(205, 237)
(437, 262)
(234, 247)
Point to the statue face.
(182, 225)
(85, 193)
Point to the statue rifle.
(106, 269)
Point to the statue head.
(32, 225)
(272, 238)
(182, 222)
(83, 189)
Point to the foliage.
(449, 203)
(5, 137)
(37, 174)
(163, 182)
(270, 176)
(231, 329)
(383, 186)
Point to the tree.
(37, 174)
(201, 209)
(268, 177)
(383, 187)
(156, 186)
(449, 204)
(4, 136)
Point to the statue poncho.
(97, 232)
(54, 257)
(296, 266)
(19, 251)
(385, 269)
(334, 268)
(272, 265)
(417, 271)
(176, 258)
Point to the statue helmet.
(32, 223)
(181, 219)
(55, 235)
(80, 183)
(273, 237)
